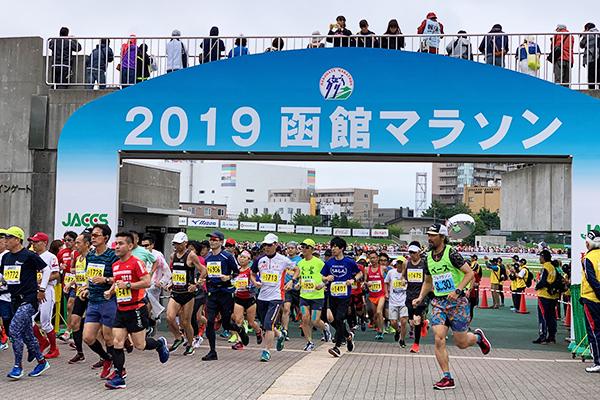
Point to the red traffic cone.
(484, 300)
(523, 305)
(567, 316)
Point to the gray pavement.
(374, 370)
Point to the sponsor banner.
(360, 232)
(265, 227)
(304, 229)
(229, 224)
(285, 228)
(182, 221)
(203, 223)
(341, 232)
(380, 232)
(248, 226)
(319, 230)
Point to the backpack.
(528, 278)
(558, 286)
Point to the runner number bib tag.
(94, 270)
(398, 284)
(39, 276)
(415, 275)
(179, 277)
(241, 283)
(354, 285)
(69, 278)
(268, 278)
(308, 285)
(214, 269)
(12, 274)
(339, 289)
(80, 277)
(123, 295)
(375, 287)
(443, 283)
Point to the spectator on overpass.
(365, 36)
(340, 30)
(392, 39)
(494, 46)
(430, 25)
(62, 57)
(212, 49)
(96, 64)
(528, 54)
(562, 44)
(460, 47)
(128, 61)
(240, 48)
(316, 41)
(591, 56)
(177, 55)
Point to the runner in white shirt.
(40, 242)
(270, 268)
(396, 293)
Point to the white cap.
(414, 249)
(180, 237)
(271, 238)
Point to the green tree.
(514, 236)
(378, 226)
(550, 238)
(243, 217)
(255, 218)
(344, 223)
(354, 224)
(438, 210)
(277, 218)
(395, 230)
(460, 208)
(490, 219)
(306, 219)
(266, 217)
(335, 221)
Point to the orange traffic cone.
(523, 305)
(484, 300)
(567, 316)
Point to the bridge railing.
(79, 62)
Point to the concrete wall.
(490, 240)
(537, 198)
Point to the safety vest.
(445, 276)
(586, 290)
(552, 276)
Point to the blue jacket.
(491, 44)
(100, 56)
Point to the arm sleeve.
(543, 279)
(457, 260)
(45, 277)
(590, 276)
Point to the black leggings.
(219, 302)
(516, 297)
(197, 304)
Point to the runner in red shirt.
(67, 269)
(131, 281)
(377, 291)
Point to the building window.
(250, 190)
(255, 211)
(207, 212)
(366, 196)
(246, 211)
(271, 195)
(280, 211)
(489, 192)
(471, 199)
(293, 194)
(298, 211)
(202, 192)
(366, 206)
(220, 212)
(290, 210)
(249, 201)
(265, 210)
(201, 201)
(192, 210)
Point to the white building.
(239, 185)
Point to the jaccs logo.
(85, 219)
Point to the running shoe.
(65, 337)
(112, 376)
(327, 333)
(414, 348)
(371, 324)
(350, 342)
(245, 326)
(392, 330)
(197, 341)
(77, 359)
(3, 346)
(287, 338)
(39, 368)
(363, 326)
(411, 335)
(402, 344)
(163, 351)
(238, 346)
(128, 345)
(16, 373)
(210, 357)
(53, 353)
(484, 343)
(233, 338)
(355, 327)
(225, 334)
(244, 337)
(259, 336)
(281, 340)
(98, 365)
(396, 336)
(445, 383)
(425, 328)
(217, 325)
(334, 351)
(73, 346)
(539, 340)
(265, 356)
(176, 345)
(189, 351)
(379, 336)
(592, 369)
(309, 346)
(106, 369)
(323, 338)
(116, 383)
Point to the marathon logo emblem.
(86, 220)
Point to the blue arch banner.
(333, 100)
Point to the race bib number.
(308, 285)
(80, 277)
(443, 283)
(95, 270)
(39, 276)
(69, 278)
(339, 289)
(375, 287)
(214, 269)
(79, 290)
(12, 274)
(269, 278)
(354, 285)
(415, 275)
(241, 284)
(398, 284)
(123, 295)
(179, 277)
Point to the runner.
(292, 296)
(245, 300)
(100, 312)
(396, 293)
(198, 320)
(184, 263)
(19, 268)
(340, 273)
(414, 271)
(40, 241)
(377, 294)
(82, 246)
(161, 276)
(131, 279)
(448, 274)
(222, 270)
(312, 295)
(67, 268)
(270, 267)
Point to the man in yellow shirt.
(547, 299)
(590, 295)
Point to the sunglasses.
(146, 245)
(214, 239)
(67, 240)
(270, 244)
(96, 235)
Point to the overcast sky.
(151, 18)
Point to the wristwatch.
(459, 292)
(107, 280)
(128, 286)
